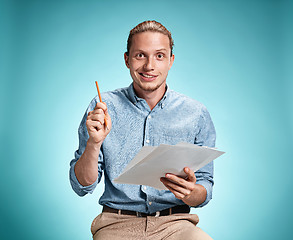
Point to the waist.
(165, 212)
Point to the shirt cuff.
(208, 186)
(77, 187)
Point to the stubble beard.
(149, 88)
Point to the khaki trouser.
(108, 226)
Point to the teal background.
(233, 56)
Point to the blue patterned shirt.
(176, 118)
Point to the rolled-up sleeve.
(206, 137)
(83, 137)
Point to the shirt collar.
(135, 99)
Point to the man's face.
(149, 61)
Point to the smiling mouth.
(147, 75)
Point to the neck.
(151, 97)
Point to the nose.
(149, 64)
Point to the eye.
(139, 55)
(160, 55)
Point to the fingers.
(180, 187)
(97, 115)
(178, 183)
(99, 112)
(94, 125)
(96, 118)
(177, 194)
(188, 181)
(101, 105)
(179, 191)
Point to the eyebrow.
(162, 49)
(158, 50)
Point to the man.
(145, 113)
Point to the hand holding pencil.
(98, 122)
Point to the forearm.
(86, 168)
(197, 196)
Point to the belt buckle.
(138, 214)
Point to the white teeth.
(147, 76)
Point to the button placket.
(147, 130)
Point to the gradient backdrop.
(233, 56)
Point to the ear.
(126, 59)
(171, 61)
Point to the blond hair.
(151, 26)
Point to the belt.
(165, 212)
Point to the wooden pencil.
(106, 125)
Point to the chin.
(149, 87)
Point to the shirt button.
(144, 188)
(150, 203)
(147, 141)
(149, 117)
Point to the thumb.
(106, 110)
(190, 174)
(107, 117)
